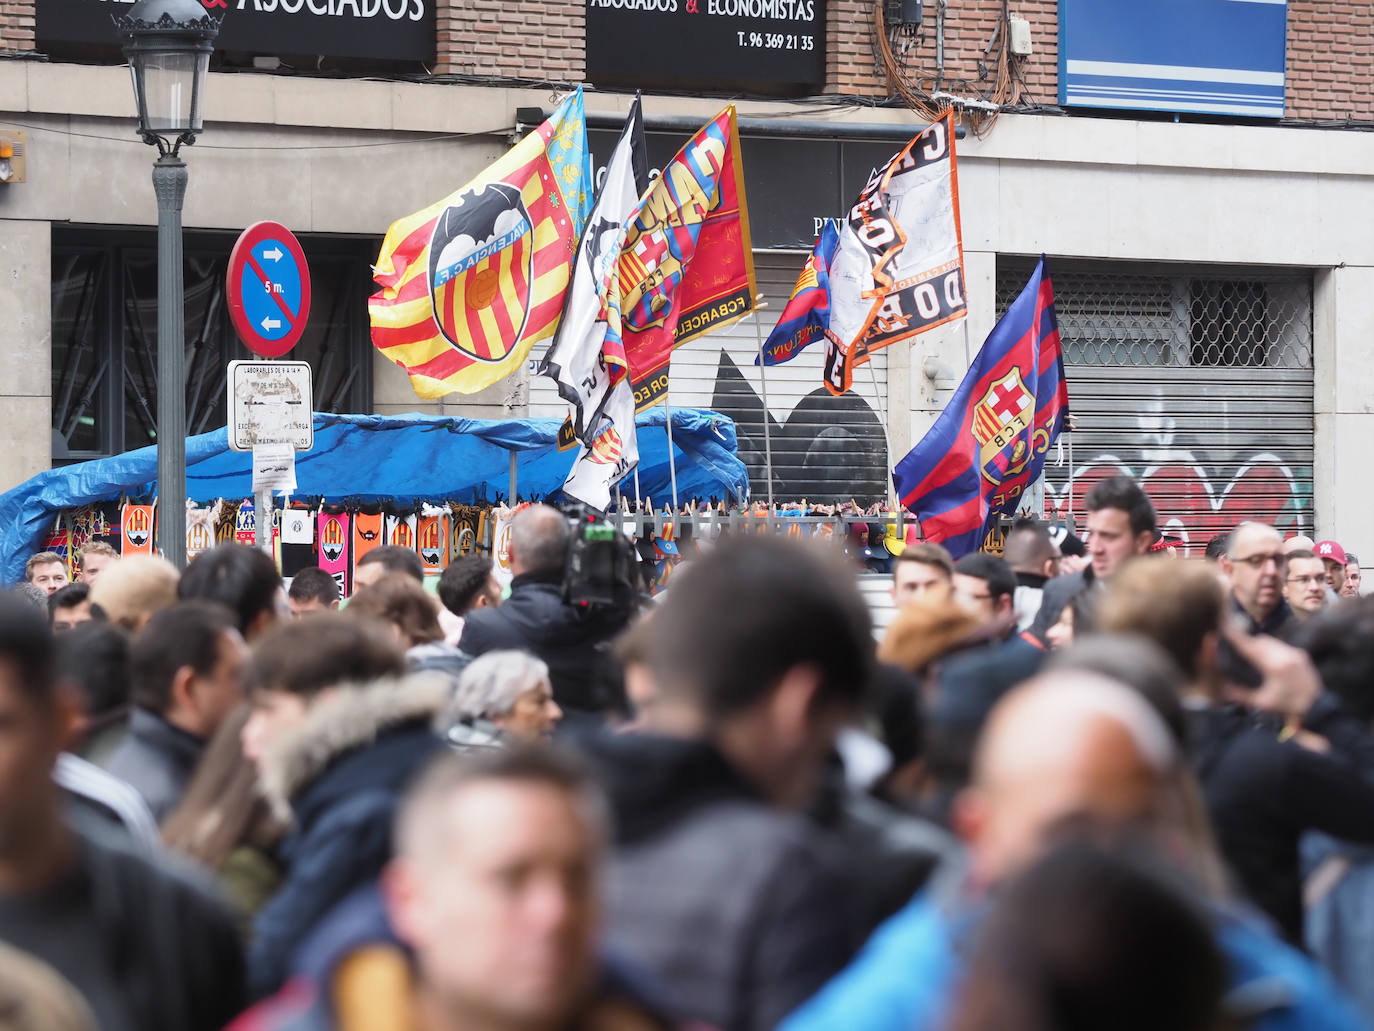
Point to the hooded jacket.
(741, 910)
(571, 641)
(340, 775)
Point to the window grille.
(1120, 315)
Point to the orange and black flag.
(470, 283)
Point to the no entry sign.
(269, 289)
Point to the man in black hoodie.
(573, 642)
(760, 652)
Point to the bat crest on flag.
(332, 540)
(480, 267)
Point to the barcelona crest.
(481, 261)
(1000, 419)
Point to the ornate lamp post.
(168, 44)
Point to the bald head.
(1028, 549)
(1064, 746)
(538, 540)
(1254, 563)
(1299, 543)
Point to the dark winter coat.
(1263, 794)
(742, 911)
(170, 947)
(342, 774)
(573, 642)
(157, 760)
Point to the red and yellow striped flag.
(470, 283)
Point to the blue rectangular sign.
(1206, 56)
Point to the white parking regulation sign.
(271, 403)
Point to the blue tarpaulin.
(402, 458)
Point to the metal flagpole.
(763, 391)
(887, 440)
(672, 461)
(968, 355)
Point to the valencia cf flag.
(470, 283)
(989, 444)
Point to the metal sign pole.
(513, 480)
(763, 392)
(262, 534)
(887, 441)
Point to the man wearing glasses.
(1256, 566)
(1305, 584)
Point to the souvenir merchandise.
(432, 535)
(369, 531)
(401, 530)
(335, 534)
(136, 530)
(246, 523)
(200, 528)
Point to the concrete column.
(1344, 406)
(26, 315)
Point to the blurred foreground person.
(486, 918)
(401, 604)
(147, 950)
(1068, 749)
(718, 884)
(35, 997)
(1089, 939)
(186, 668)
(93, 661)
(131, 590)
(1263, 789)
(922, 571)
(244, 580)
(224, 824)
(337, 733)
(501, 697)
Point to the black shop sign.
(760, 46)
(383, 30)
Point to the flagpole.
(763, 390)
(887, 440)
(672, 461)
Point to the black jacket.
(535, 619)
(169, 946)
(1263, 794)
(741, 910)
(157, 760)
(342, 773)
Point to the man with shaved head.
(1256, 564)
(1066, 750)
(573, 641)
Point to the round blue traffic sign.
(268, 289)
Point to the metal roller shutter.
(825, 448)
(1196, 382)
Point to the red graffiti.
(1186, 503)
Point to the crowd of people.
(1083, 784)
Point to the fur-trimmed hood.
(353, 717)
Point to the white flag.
(612, 453)
(587, 356)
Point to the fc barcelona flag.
(687, 265)
(989, 444)
(470, 283)
(807, 315)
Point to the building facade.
(1214, 268)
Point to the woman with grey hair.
(502, 695)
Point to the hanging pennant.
(432, 533)
(334, 537)
(246, 523)
(368, 530)
(136, 530)
(500, 544)
(401, 530)
(200, 529)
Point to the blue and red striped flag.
(989, 443)
(807, 315)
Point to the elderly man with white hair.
(501, 696)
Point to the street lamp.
(168, 44)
